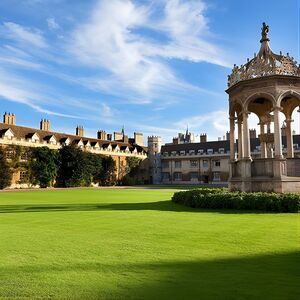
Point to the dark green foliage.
(211, 198)
(93, 168)
(43, 166)
(5, 177)
(132, 171)
(108, 176)
(132, 165)
(127, 180)
(72, 167)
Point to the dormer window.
(221, 150)
(7, 134)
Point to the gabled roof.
(3, 132)
(20, 132)
(50, 137)
(31, 135)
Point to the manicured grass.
(137, 244)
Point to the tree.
(5, 178)
(132, 165)
(93, 167)
(108, 176)
(71, 168)
(43, 166)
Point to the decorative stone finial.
(264, 33)
(265, 63)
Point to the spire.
(265, 51)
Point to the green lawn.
(136, 244)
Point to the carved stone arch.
(291, 93)
(235, 107)
(260, 103)
(257, 95)
(288, 100)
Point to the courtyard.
(137, 244)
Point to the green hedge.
(215, 198)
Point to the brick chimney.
(80, 131)
(203, 138)
(139, 138)
(45, 125)
(101, 135)
(9, 119)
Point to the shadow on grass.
(166, 205)
(259, 277)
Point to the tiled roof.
(216, 145)
(21, 132)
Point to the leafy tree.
(108, 176)
(43, 166)
(72, 170)
(5, 178)
(132, 165)
(93, 168)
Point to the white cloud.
(52, 24)
(106, 111)
(136, 64)
(19, 90)
(23, 34)
(215, 124)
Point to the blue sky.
(152, 66)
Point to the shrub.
(215, 198)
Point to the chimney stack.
(45, 125)
(139, 138)
(101, 135)
(203, 138)
(9, 119)
(80, 131)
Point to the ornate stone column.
(277, 133)
(263, 144)
(289, 138)
(240, 138)
(231, 133)
(247, 152)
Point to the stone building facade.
(118, 149)
(207, 161)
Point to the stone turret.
(154, 155)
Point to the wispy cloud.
(22, 91)
(214, 123)
(111, 40)
(23, 34)
(52, 24)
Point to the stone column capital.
(277, 109)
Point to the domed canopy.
(265, 63)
